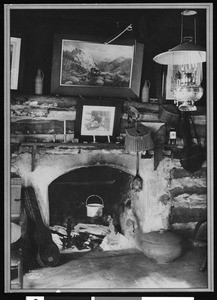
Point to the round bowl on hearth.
(161, 246)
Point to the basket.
(138, 139)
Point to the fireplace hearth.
(71, 196)
(68, 194)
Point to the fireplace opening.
(70, 194)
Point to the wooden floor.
(118, 271)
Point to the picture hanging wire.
(128, 28)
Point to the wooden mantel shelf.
(86, 146)
(75, 145)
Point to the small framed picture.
(98, 119)
(15, 47)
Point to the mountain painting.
(94, 64)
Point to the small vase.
(39, 82)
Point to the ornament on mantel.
(145, 91)
(39, 82)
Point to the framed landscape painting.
(88, 68)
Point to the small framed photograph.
(15, 47)
(98, 119)
(88, 67)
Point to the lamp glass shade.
(181, 55)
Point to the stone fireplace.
(64, 177)
(70, 193)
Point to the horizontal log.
(185, 215)
(28, 111)
(195, 189)
(41, 127)
(20, 138)
(190, 201)
(176, 173)
(56, 101)
(184, 226)
(20, 112)
(62, 115)
(185, 230)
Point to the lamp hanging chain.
(182, 28)
(195, 28)
(195, 32)
(137, 162)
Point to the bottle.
(145, 91)
(172, 136)
(39, 82)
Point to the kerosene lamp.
(188, 58)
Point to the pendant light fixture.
(188, 56)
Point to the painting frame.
(109, 111)
(131, 91)
(15, 56)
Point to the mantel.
(65, 147)
(75, 145)
(78, 146)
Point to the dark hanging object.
(192, 155)
(158, 155)
(48, 254)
